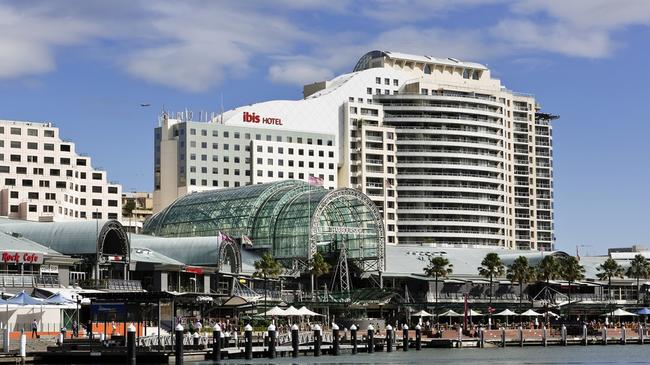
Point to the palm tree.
(639, 269)
(319, 267)
(266, 267)
(439, 267)
(548, 269)
(571, 271)
(608, 270)
(521, 272)
(491, 267)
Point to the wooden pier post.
(563, 334)
(271, 332)
(248, 342)
(130, 345)
(405, 337)
(604, 335)
(295, 343)
(544, 337)
(389, 338)
(318, 339)
(216, 343)
(178, 353)
(418, 338)
(353, 339)
(335, 339)
(370, 339)
(503, 337)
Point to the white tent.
(422, 313)
(450, 313)
(292, 311)
(531, 313)
(275, 312)
(506, 313)
(306, 312)
(620, 313)
(473, 313)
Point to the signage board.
(21, 257)
(257, 119)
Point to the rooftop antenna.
(221, 108)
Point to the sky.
(87, 66)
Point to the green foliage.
(571, 270)
(127, 209)
(610, 269)
(639, 268)
(520, 271)
(319, 266)
(548, 269)
(491, 266)
(438, 267)
(266, 267)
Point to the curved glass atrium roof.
(291, 218)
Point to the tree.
(639, 269)
(571, 271)
(520, 272)
(319, 267)
(266, 267)
(491, 267)
(608, 270)
(127, 209)
(439, 267)
(548, 269)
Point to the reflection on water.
(613, 354)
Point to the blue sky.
(87, 65)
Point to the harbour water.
(616, 354)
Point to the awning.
(531, 313)
(275, 312)
(620, 313)
(505, 313)
(422, 313)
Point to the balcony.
(112, 285)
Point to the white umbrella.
(422, 313)
(474, 313)
(306, 312)
(275, 312)
(620, 313)
(292, 311)
(506, 313)
(531, 313)
(450, 313)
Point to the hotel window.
(269, 173)
(15, 144)
(15, 131)
(32, 132)
(269, 149)
(204, 132)
(247, 136)
(395, 82)
(226, 134)
(378, 91)
(427, 69)
(215, 133)
(424, 91)
(466, 74)
(97, 189)
(226, 159)
(16, 158)
(369, 91)
(237, 135)
(65, 147)
(387, 81)
(193, 132)
(378, 80)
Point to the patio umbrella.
(306, 312)
(474, 313)
(620, 312)
(23, 298)
(275, 312)
(422, 313)
(58, 298)
(531, 313)
(450, 313)
(292, 311)
(506, 313)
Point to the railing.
(23, 280)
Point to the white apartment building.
(43, 178)
(450, 156)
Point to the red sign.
(194, 270)
(256, 118)
(13, 257)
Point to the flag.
(246, 241)
(315, 180)
(225, 237)
(389, 185)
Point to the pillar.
(248, 342)
(178, 353)
(216, 343)
(318, 338)
(335, 339)
(389, 338)
(418, 338)
(370, 339)
(405, 338)
(353, 339)
(271, 336)
(130, 345)
(294, 340)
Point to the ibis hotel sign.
(257, 119)
(17, 257)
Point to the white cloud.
(298, 73)
(28, 39)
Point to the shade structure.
(506, 313)
(531, 313)
(473, 313)
(306, 312)
(422, 313)
(23, 298)
(292, 311)
(450, 313)
(275, 312)
(620, 312)
(643, 311)
(58, 298)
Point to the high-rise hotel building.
(43, 178)
(450, 156)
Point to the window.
(192, 131)
(55, 172)
(60, 184)
(237, 135)
(112, 189)
(378, 80)
(112, 215)
(4, 169)
(44, 183)
(65, 147)
(28, 182)
(32, 145)
(97, 202)
(82, 188)
(97, 175)
(21, 170)
(81, 162)
(14, 195)
(466, 73)
(395, 82)
(48, 133)
(269, 173)
(15, 144)
(48, 146)
(10, 182)
(387, 81)
(32, 195)
(204, 132)
(65, 161)
(14, 209)
(32, 158)
(97, 189)
(226, 134)
(48, 160)
(112, 203)
(15, 158)
(424, 91)
(15, 131)
(427, 70)
(97, 215)
(32, 132)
